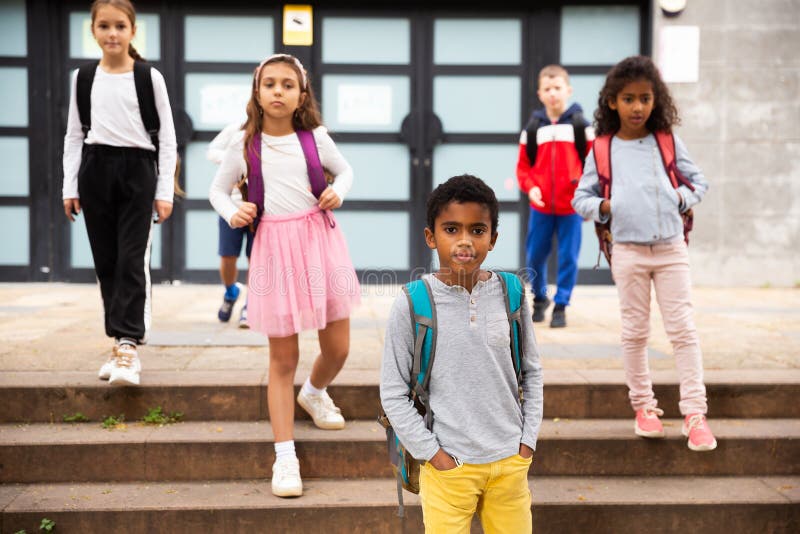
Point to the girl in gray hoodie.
(645, 211)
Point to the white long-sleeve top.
(286, 185)
(117, 121)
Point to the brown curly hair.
(664, 115)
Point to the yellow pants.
(498, 492)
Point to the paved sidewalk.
(59, 327)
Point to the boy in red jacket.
(552, 149)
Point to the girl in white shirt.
(110, 173)
(301, 276)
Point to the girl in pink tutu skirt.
(301, 276)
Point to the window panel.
(13, 29)
(583, 27)
(13, 96)
(343, 40)
(202, 237)
(585, 91)
(15, 249)
(15, 175)
(471, 104)
(223, 38)
(199, 170)
(377, 240)
(505, 255)
(147, 40)
(215, 100)
(381, 170)
(494, 164)
(477, 42)
(365, 103)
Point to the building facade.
(413, 93)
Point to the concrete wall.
(741, 123)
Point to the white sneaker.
(322, 410)
(127, 367)
(286, 480)
(105, 370)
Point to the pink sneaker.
(648, 425)
(695, 427)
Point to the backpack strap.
(666, 146)
(316, 175)
(512, 293)
(602, 160)
(145, 94)
(532, 147)
(255, 179)
(423, 316)
(579, 128)
(83, 94)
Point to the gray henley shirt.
(473, 388)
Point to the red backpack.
(602, 160)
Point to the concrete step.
(560, 504)
(241, 450)
(241, 395)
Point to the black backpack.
(578, 126)
(144, 93)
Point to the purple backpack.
(255, 180)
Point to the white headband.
(296, 62)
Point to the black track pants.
(117, 186)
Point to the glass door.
(367, 69)
(477, 88)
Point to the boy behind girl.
(482, 444)
(553, 135)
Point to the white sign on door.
(369, 105)
(222, 103)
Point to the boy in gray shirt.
(482, 440)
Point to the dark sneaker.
(559, 319)
(226, 310)
(540, 304)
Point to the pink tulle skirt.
(301, 276)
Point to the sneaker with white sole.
(126, 367)
(695, 427)
(648, 425)
(286, 481)
(105, 370)
(322, 410)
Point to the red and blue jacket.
(558, 168)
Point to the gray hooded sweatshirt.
(644, 205)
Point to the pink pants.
(667, 266)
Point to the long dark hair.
(305, 117)
(664, 115)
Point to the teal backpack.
(423, 311)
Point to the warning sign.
(298, 25)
